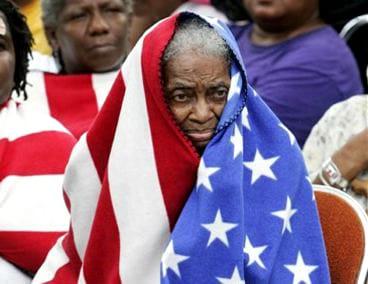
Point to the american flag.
(73, 100)
(34, 150)
(251, 214)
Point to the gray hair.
(51, 10)
(195, 35)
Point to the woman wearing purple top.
(296, 62)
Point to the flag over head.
(131, 175)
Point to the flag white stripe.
(55, 259)
(143, 223)
(102, 84)
(81, 173)
(36, 90)
(23, 206)
(17, 122)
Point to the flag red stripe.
(34, 154)
(101, 135)
(71, 101)
(27, 249)
(68, 273)
(102, 266)
(177, 185)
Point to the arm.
(351, 159)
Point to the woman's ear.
(52, 39)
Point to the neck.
(264, 36)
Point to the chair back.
(345, 230)
(355, 33)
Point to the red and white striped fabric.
(125, 195)
(34, 150)
(74, 100)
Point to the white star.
(235, 278)
(301, 271)
(291, 135)
(237, 141)
(254, 253)
(235, 88)
(218, 229)
(261, 167)
(245, 120)
(171, 260)
(286, 215)
(204, 174)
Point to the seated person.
(34, 150)
(90, 42)
(186, 166)
(336, 151)
(298, 64)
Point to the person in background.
(89, 40)
(186, 176)
(336, 151)
(297, 63)
(34, 150)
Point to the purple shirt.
(301, 78)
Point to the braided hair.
(22, 41)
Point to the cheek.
(180, 113)
(218, 109)
(6, 76)
(120, 28)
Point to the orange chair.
(345, 230)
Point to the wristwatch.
(331, 175)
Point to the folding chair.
(345, 230)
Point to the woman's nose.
(202, 111)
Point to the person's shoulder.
(353, 105)
(322, 44)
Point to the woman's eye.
(180, 98)
(220, 93)
(114, 10)
(77, 16)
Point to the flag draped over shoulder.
(73, 100)
(34, 151)
(250, 215)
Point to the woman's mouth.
(200, 135)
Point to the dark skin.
(279, 20)
(196, 89)
(7, 60)
(91, 36)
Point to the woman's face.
(196, 89)
(276, 14)
(92, 35)
(7, 60)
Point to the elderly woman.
(34, 150)
(193, 172)
(298, 64)
(90, 42)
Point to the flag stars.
(254, 253)
(245, 119)
(286, 215)
(204, 174)
(235, 278)
(218, 229)
(261, 167)
(237, 140)
(171, 260)
(301, 271)
(235, 88)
